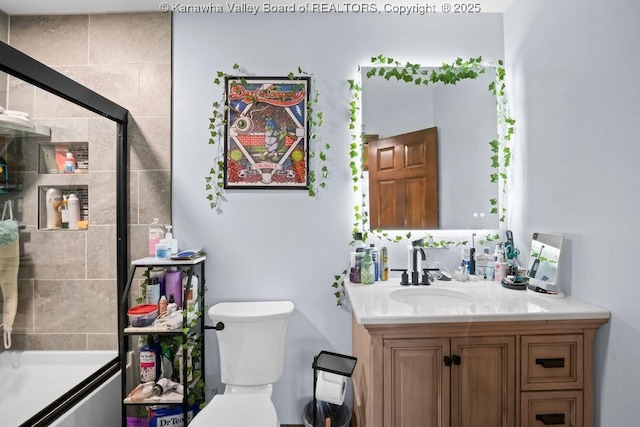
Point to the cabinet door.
(483, 382)
(416, 382)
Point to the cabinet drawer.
(551, 362)
(551, 408)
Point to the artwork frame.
(266, 141)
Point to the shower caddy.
(190, 267)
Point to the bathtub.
(39, 388)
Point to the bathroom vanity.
(471, 354)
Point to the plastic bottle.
(358, 244)
(367, 270)
(375, 255)
(173, 285)
(482, 259)
(153, 291)
(156, 232)
(500, 267)
(150, 363)
(170, 241)
(54, 217)
(384, 262)
(64, 212)
(172, 307)
(162, 305)
(192, 295)
(354, 270)
(70, 163)
(74, 211)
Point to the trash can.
(340, 415)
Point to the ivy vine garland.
(215, 178)
(460, 69)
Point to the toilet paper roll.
(331, 387)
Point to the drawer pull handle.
(551, 363)
(456, 359)
(447, 361)
(551, 419)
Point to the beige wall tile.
(21, 96)
(133, 197)
(48, 105)
(51, 39)
(132, 38)
(102, 341)
(49, 341)
(67, 129)
(155, 199)
(101, 245)
(116, 82)
(150, 143)
(102, 199)
(58, 254)
(75, 306)
(103, 139)
(155, 90)
(4, 27)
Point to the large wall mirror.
(463, 118)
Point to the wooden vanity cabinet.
(474, 374)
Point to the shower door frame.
(22, 66)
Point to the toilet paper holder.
(335, 363)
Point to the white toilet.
(251, 347)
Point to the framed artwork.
(266, 133)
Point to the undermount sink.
(433, 299)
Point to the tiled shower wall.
(67, 287)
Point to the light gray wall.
(279, 244)
(574, 73)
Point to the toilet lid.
(237, 410)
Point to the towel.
(9, 263)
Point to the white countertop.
(453, 301)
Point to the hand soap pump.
(170, 241)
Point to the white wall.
(573, 66)
(279, 244)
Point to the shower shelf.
(10, 130)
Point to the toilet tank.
(251, 345)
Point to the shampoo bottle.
(150, 362)
(54, 216)
(74, 211)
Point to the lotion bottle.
(54, 216)
(74, 211)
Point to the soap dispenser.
(170, 241)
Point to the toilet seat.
(237, 410)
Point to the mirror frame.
(459, 69)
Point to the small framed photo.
(266, 133)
